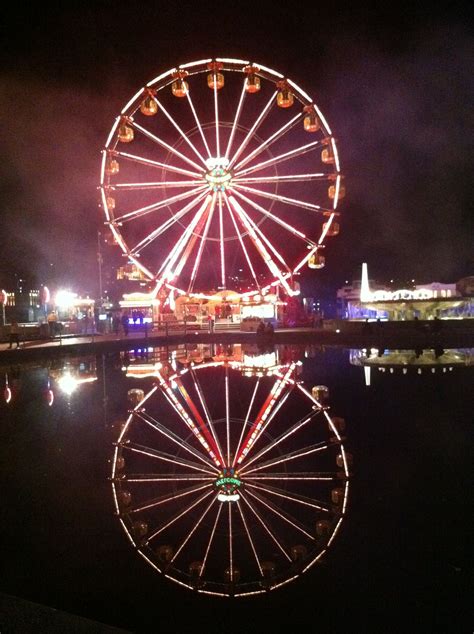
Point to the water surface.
(399, 556)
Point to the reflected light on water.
(69, 384)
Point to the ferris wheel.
(233, 496)
(221, 175)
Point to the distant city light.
(65, 299)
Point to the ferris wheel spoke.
(137, 478)
(265, 240)
(198, 123)
(280, 158)
(231, 562)
(197, 261)
(292, 497)
(166, 225)
(274, 443)
(211, 538)
(179, 515)
(199, 429)
(283, 178)
(161, 455)
(267, 422)
(165, 145)
(156, 185)
(294, 455)
(276, 219)
(318, 476)
(189, 246)
(242, 244)
(211, 437)
(163, 499)
(259, 246)
(180, 131)
(236, 119)
(193, 530)
(252, 545)
(138, 213)
(264, 524)
(158, 164)
(221, 241)
(165, 270)
(236, 453)
(227, 413)
(205, 408)
(253, 129)
(265, 415)
(157, 426)
(283, 199)
(216, 113)
(286, 517)
(271, 139)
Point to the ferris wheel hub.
(218, 175)
(227, 485)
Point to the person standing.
(14, 334)
(116, 324)
(52, 320)
(125, 324)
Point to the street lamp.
(100, 260)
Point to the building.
(369, 300)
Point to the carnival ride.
(221, 175)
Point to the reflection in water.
(74, 373)
(402, 534)
(7, 392)
(403, 360)
(65, 376)
(229, 476)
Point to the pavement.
(391, 335)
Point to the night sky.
(396, 87)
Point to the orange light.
(125, 132)
(112, 166)
(327, 156)
(333, 229)
(148, 106)
(215, 79)
(311, 121)
(332, 192)
(180, 87)
(252, 85)
(285, 97)
(316, 261)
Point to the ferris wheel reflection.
(229, 476)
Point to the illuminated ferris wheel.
(230, 496)
(221, 174)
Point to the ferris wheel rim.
(238, 190)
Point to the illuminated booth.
(141, 308)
